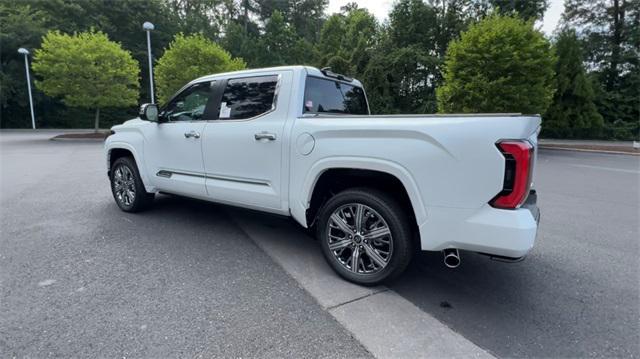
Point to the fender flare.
(136, 157)
(303, 197)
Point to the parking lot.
(78, 277)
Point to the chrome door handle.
(265, 136)
(193, 134)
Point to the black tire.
(141, 198)
(398, 225)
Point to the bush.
(501, 64)
(190, 57)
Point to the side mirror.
(149, 112)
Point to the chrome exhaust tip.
(451, 257)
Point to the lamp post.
(148, 27)
(25, 52)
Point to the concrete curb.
(388, 325)
(77, 139)
(47, 130)
(587, 150)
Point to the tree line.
(429, 56)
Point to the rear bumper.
(531, 204)
(499, 232)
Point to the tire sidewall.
(392, 214)
(140, 190)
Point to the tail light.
(518, 156)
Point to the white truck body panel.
(448, 164)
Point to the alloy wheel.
(124, 185)
(359, 238)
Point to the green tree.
(20, 26)
(432, 25)
(279, 43)
(400, 80)
(247, 7)
(305, 16)
(347, 40)
(202, 16)
(331, 34)
(86, 70)
(403, 71)
(501, 64)
(527, 9)
(25, 22)
(572, 112)
(413, 23)
(241, 43)
(187, 58)
(610, 35)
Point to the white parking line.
(605, 168)
(388, 325)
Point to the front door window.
(190, 104)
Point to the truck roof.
(309, 70)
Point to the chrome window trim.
(274, 104)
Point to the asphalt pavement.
(576, 294)
(78, 277)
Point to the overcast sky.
(380, 8)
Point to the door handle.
(193, 134)
(265, 136)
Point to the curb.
(408, 332)
(588, 150)
(46, 130)
(77, 139)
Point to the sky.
(380, 8)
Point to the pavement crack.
(357, 299)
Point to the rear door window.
(248, 97)
(329, 96)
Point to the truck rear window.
(329, 96)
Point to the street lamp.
(25, 52)
(148, 27)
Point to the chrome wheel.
(124, 185)
(359, 238)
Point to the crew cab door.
(243, 146)
(173, 148)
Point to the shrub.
(500, 64)
(190, 57)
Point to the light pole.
(25, 52)
(148, 27)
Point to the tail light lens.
(518, 156)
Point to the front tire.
(127, 187)
(365, 236)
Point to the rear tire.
(127, 187)
(375, 229)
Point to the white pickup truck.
(300, 142)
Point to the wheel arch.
(117, 150)
(356, 172)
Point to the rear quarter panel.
(443, 161)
